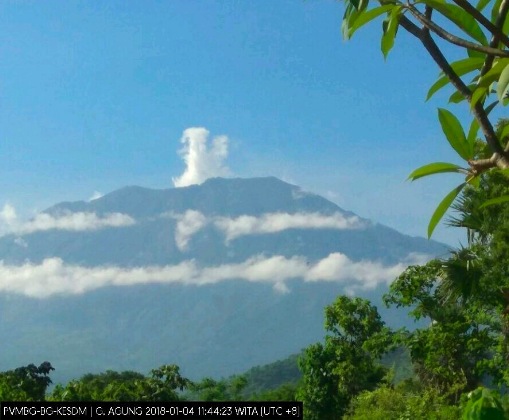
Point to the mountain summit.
(215, 277)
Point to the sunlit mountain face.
(216, 277)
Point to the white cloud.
(8, 215)
(80, 221)
(96, 195)
(187, 225)
(367, 274)
(193, 221)
(8, 218)
(53, 276)
(202, 162)
(277, 222)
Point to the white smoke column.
(202, 162)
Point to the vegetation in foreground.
(460, 360)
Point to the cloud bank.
(75, 222)
(277, 222)
(202, 162)
(192, 221)
(54, 277)
(80, 221)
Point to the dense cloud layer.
(277, 222)
(193, 221)
(202, 162)
(54, 277)
(79, 221)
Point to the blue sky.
(95, 95)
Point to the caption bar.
(170, 410)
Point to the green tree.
(450, 354)
(105, 386)
(347, 363)
(285, 392)
(26, 383)
(478, 34)
(388, 402)
(484, 404)
(209, 389)
(164, 384)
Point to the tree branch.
(478, 110)
(444, 65)
(502, 15)
(500, 156)
(428, 12)
(477, 15)
(410, 27)
(453, 39)
(478, 166)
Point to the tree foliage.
(478, 34)
(209, 389)
(347, 363)
(401, 402)
(26, 383)
(164, 384)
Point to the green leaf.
(390, 31)
(475, 54)
(454, 134)
(492, 201)
(505, 26)
(434, 168)
(461, 18)
(504, 172)
(456, 97)
(482, 4)
(503, 83)
(347, 20)
(442, 208)
(503, 134)
(472, 131)
(485, 81)
(367, 17)
(494, 73)
(461, 68)
(355, 3)
(475, 181)
(494, 11)
(363, 4)
(478, 95)
(490, 107)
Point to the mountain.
(216, 277)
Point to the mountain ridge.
(181, 199)
(263, 259)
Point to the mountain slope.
(151, 239)
(252, 264)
